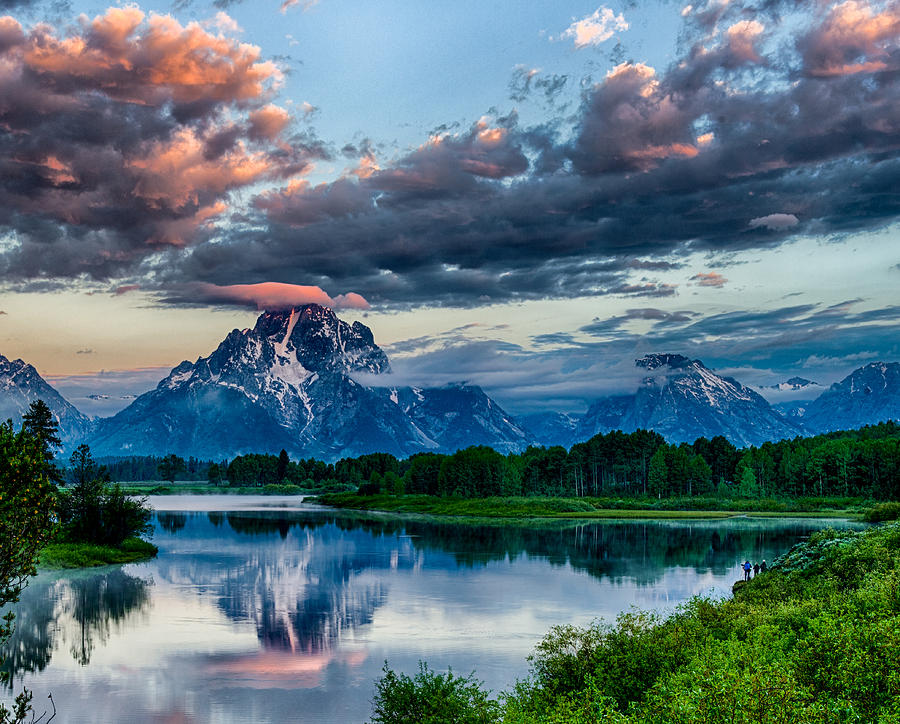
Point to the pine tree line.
(862, 463)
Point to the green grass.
(479, 507)
(179, 487)
(89, 555)
(523, 508)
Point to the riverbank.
(816, 639)
(520, 507)
(90, 555)
(156, 487)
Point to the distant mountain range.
(288, 383)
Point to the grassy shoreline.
(525, 508)
(816, 639)
(156, 487)
(91, 555)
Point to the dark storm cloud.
(10, 5)
(777, 120)
(741, 144)
(115, 142)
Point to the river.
(272, 610)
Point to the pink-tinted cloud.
(268, 122)
(300, 203)
(448, 165)
(709, 279)
(125, 289)
(633, 124)
(852, 38)
(128, 133)
(452, 164)
(268, 295)
(742, 40)
(11, 33)
(180, 172)
(150, 60)
(596, 28)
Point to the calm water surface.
(263, 609)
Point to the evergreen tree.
(748, 486)
(82, 509)
(658, 475)
(283, 462)
(701, 476)
(39, 423)
(81, 466)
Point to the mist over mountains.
(288, 383)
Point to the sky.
(526, 196)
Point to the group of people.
(755, 568)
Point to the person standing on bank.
(747, 569)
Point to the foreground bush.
(816, 639)
(94, 511)
(431, 698)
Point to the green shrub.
(882, 512)
(431, 698)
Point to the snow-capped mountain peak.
(286, 383)
(682, 400)
(20, 385)
(666, 360)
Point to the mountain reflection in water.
(269, 613)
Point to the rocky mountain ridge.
(289, 383)
(868, 394)
(20, 385)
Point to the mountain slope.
(460, 415)
(551, 428)
(866, 396)
(682, 400)
(20, 385)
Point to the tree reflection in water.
(300, 582)
(80, 611)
